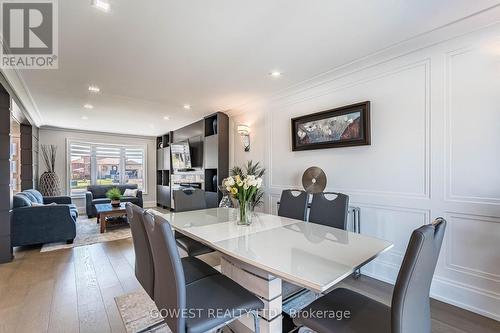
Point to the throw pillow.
(36, 204)
(130, 192)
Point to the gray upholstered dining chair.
(194, 269)
(330, 212)
(410, 308)
(214, 300)
(293, 204)
(144, 269)
(187, 199)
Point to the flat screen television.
(181, 157)
(196, 151)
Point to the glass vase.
(245, 215)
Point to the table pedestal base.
(262, 284)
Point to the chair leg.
(256, 318)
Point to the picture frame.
(346, 126)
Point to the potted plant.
(244, 189)
(114, 195)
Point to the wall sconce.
(244, 132)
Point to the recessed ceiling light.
(88, 106)
(166, 118)
(94, 89)
(187, 106)
(275, 74)
(85, 117)
(101, 5)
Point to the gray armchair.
(37, 220)
(96, 194)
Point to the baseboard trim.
(475, 299)
(455, 294)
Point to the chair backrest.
(144, 267)
(169, 284)
(410, 300)
(189, 199)
(293, 204)
(332, 213)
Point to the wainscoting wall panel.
(394, 224)
(474, 267)
(473, 83)
(434, 152)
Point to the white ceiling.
(151, 57)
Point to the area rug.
(138, 313)
(88, 232)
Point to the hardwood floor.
(67, 290)
(73, 290)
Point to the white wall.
(59, 137)
(435, 152)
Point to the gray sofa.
(96, 194)
(36, 219)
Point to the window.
(134, 166)
(108, 161)
(79, 168)
(101, 164)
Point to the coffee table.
(106, 210)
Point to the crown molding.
(74, 130)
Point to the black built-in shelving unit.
(163, 170)
(216, 155)
(209, 142)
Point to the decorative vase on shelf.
(245, 213)
(214, 125)
(214, 182)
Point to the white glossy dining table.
(272, 248)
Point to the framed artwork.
(340, 127)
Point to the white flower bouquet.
(243, 189)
